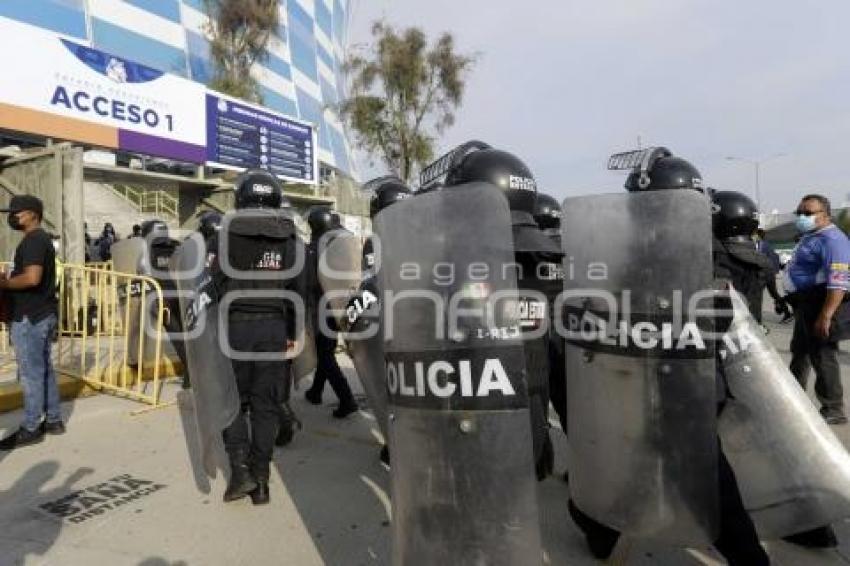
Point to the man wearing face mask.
(818, 278)
(32, 288)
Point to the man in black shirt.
(32, 288)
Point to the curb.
(70, 387)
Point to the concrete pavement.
(120, 490)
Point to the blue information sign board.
(241, 136)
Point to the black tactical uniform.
(257, 241)
(738, 541)
(738, 261)
(322, 220)
(535, 256)
(547, 214)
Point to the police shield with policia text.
(628, 335)
(536, 260)
(641, 379)
(462, 479)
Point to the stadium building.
(301, 77)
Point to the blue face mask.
(805, 223)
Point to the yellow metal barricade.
(111, 333)
(5, 339)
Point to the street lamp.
(756, 163)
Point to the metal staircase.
(160, 203)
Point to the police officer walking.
(323, 220)
(734, 220)
(817, 279)
(679, 420)
(537, 259)
(364, 311)
(255, 250)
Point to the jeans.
(32, 342)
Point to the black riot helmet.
(656, 169)
(547, 214)
(321, 220)
(257, 188)
(154, 228)
(385, 191)
(209, 222)
(733, 214)
(476, 161)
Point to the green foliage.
(401, 93)
(843, 220)
(239, 33)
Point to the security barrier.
(110, 331)
(5, 338)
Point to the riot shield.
(160, 252)
(340, 271)
(304, 363)
(793, 472)
(462, 480)
(641, 396)
(339, 267)
(213, 382)
(366, 347)
(129, 257)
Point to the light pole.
(756, 163)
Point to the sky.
(565, 83)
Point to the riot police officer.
(209, 223)
(259, 245)
(323, 220)
(538, 259)
(386, 191)
(547, 214)
(367, 353)
(160, 248)
(657, 169)
(734, 219)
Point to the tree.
(401, 93)
(239, 32)
(843, 220)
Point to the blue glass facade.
(62, 16)
(115, 39)
(169, 35)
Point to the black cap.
(25, 202)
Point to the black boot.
(345, 408)
(314, 397)
(241, 481)
(260, 495)
(821, 537)
(601, 539)
(289, 423)
(385, 455)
